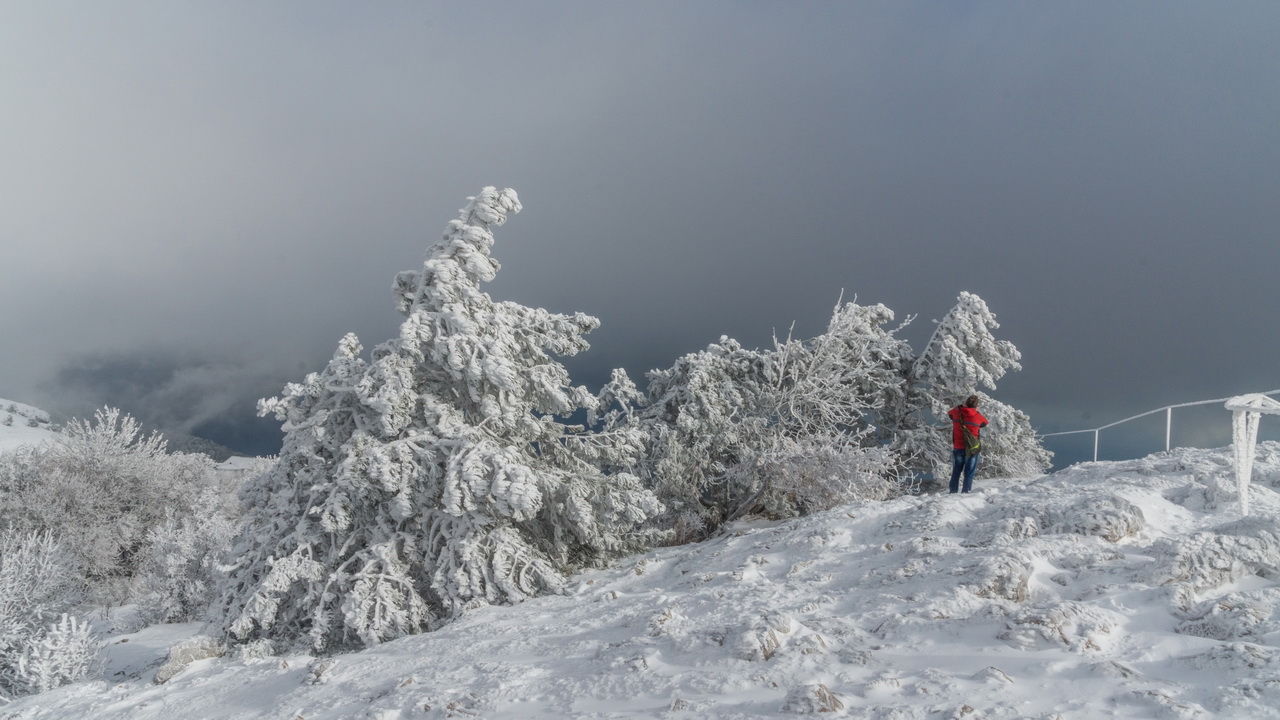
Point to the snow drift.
(1131, 589)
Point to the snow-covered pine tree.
(963, 354)
(439, 474)
(1012, 449)
(961, 357)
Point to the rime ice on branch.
(437, 475)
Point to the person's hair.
(971, 401)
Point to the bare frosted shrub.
(782, 431)
(799, 478)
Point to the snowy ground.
(1130, 589)
(17, 432)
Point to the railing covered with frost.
(1168, 421)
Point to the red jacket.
(971, 417)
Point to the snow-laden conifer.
(960, 358)
(1011, 449)
(439, 473)
(963, 353)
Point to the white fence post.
(1246, 410)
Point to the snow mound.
(1127, 590)
(23, 425)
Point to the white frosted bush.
(1079, 627)
(1252, 614)
(799, 478)
(1110, 518)
(1010, 446)
(1227, 553)
(810, 424)
(39, 583)
(811, 699)
(100, 488)
(779, 432)
(181, 655)
(185, 561)
(64, 653)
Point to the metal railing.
(1168, 421)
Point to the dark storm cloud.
(182, 396)
(241, 181)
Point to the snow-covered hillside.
(22, 425)
(1130, 589)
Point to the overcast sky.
(197, 200)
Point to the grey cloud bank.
(227, 189)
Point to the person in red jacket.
(964, 417)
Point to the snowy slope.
(18, 432)
(1131, 590)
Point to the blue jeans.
(967, 465)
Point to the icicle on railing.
(1246, 411)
